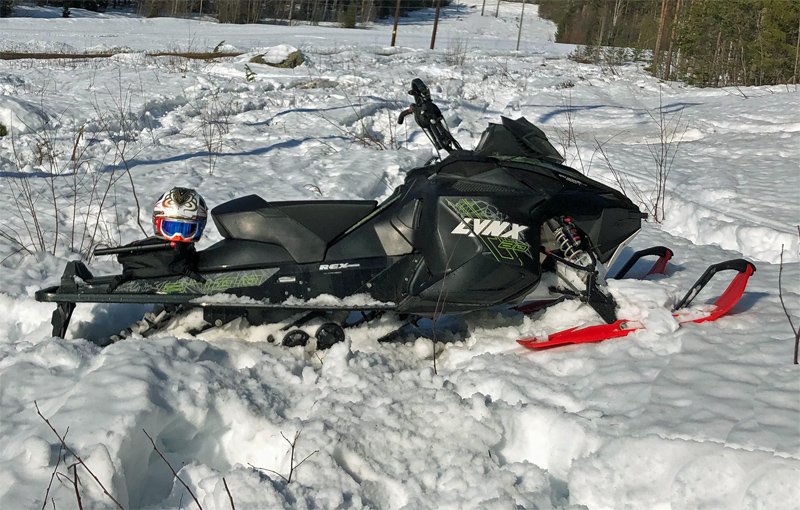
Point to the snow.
(279, 53)
(19, 116)
(701, 416)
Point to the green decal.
(503, 249)
(214, 283)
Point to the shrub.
(348, 16)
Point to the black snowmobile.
(503, 225)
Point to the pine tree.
(6, 8)
(705, 42)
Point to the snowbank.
(20, 116)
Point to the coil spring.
(569, 240)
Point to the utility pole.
(435, 23)
(521, 17)
(483, 7)
(497, 12)
(396, 17)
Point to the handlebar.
(428, 117)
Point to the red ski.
(623, 327)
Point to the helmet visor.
(177, 229)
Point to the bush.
(6, 7)
(3, 129)
(293, 60)
(348, 17)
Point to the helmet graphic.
(180, 215)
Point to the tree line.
(347, 12)
(704, 42)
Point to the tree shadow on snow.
(377, 103)
(639, 112)
(204, 154)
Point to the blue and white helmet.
(180, 215)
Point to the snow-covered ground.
(705, 416)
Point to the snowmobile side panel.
(237, 253)
(481, 283)
(377, 237)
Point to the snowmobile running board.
(623, 327)
(66, 296)
(51, 295)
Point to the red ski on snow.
(623, 327)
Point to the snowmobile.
(505, 224)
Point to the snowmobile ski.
(623, 327)
(659, 267)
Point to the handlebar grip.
(405, 113)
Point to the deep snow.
(705, 416)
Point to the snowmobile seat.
(302, 228)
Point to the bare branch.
(269, 471)
(77, 457)
(795, 331)
(55, 469)
(174, 473)
(292, 465)
(230, 498)
(75, 483)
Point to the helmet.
(180, 215)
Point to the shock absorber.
(569, 241)
(584, 276)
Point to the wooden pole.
(483, 8)
(497, 12)
(521, 17)
(435, 23)
(657, 50)
(396, 17)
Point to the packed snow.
(701, 416)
